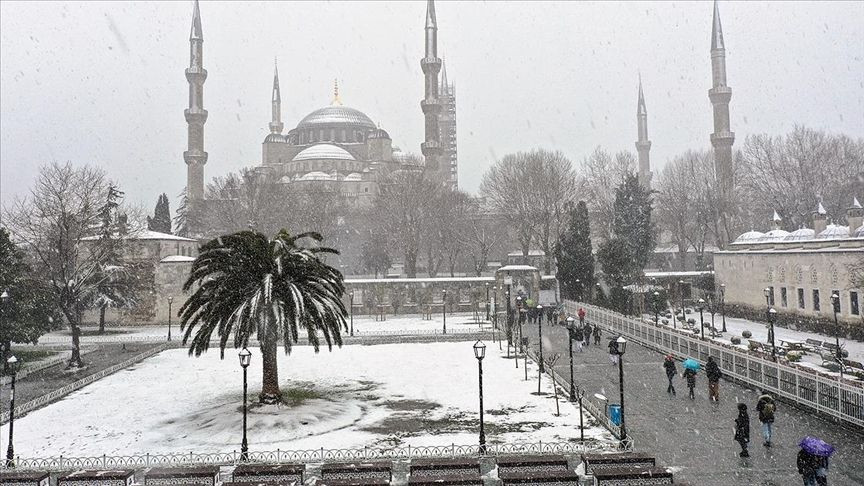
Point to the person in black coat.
(712, 371)
(671, 372)
(587, 333)
(812, 468)
(690, 376)
(742, 429)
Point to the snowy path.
(395, 394)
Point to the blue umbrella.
(691, 364)
(815, 446)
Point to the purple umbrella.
(815, 446)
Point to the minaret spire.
(195, 156)
(444, 88)
(643, 145)
(430, 104)
(336, 100)
(276, 124)
(723, 137)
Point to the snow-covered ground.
(363, 326)
(759, 330)
(382, 395)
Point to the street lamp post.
(480, 353)
(351, 304)
(487, 301)
(772, 315)
(570, 323)
(245, 359)
(712, 308)
(581, 394)
(835, 305)
(622, 346)
(701, 317)
(10, 451)
(4, 298)
(656, 308)
(683, 314)
(444, 306)
(540, 336)
(170, 301)
(723, 304)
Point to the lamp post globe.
(245, 358)
(571, 325)
(12, 364)
(622, 348)
(480, 353)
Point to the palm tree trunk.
(270, 392)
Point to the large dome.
(336, 115)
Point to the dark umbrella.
(816, 446)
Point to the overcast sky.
(102, 82)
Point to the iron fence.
(841, 399)
(61, 463)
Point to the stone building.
(801, 269)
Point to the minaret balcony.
(433, 107)
(720, 94)
(430, 148)
(430, 63)
(722, 139)
(195, 115)
(196, 74)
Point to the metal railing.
(841, 399)
(41, 365)
(60, 392)
(140, 461)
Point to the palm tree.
(247, 284)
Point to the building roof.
(316, 176)
(749, 237)
(530, 253)
(800, 234)
(147, 235)
(177, 259)
(834, 231)
(336, 115)
(510, 268)
(323, 151)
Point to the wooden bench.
(599, 462)
(632, 475)
(356, 471)
(445, 471)
(196, 475)
(564, 478)
(539, 463)
(25, 478)
(258, 473)
(812, 345)
(119, 477)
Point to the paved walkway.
(694, 438)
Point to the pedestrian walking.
(810, 466)
(766, 408)
(713, 373)
(597, 333)
(742, 429)
(690, 376)
(613, 351)
(588, 331)
(671, 372)
(578, 336)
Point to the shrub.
(666, 321)
(752, 346)
(794, 356)
(746, 334)
(735, 340)
(691, 321)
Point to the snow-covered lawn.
(759, 331)
(356, 396)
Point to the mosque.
(335, 148)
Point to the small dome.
(800, 234)
(379, 133)
(275, 138)
(834, 232)
(775, 235)
(316, 176)
(354, 177)
(750, 237)
(323, 151)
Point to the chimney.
(855, 216)
(776, 222)
(820, 219)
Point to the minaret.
(720, 94)
(196, 115)
(431, 66)
(447, 127)
(643, 145)
(276, 105)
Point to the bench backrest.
(813, 342)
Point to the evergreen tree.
(574, 254)
(161, 220)
(632, 223)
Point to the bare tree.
(483, 233)
(248, 199)
(599, 174)
(59, 223)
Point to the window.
(816, 306)
(770, 295)
(853, 304)
(784, 299)
(836, 303)
(801, 299)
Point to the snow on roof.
(177, 259)
(678, 274)
(418, 280)
(147, 235)
(323, 151)
(510, 268)
(530, 253)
